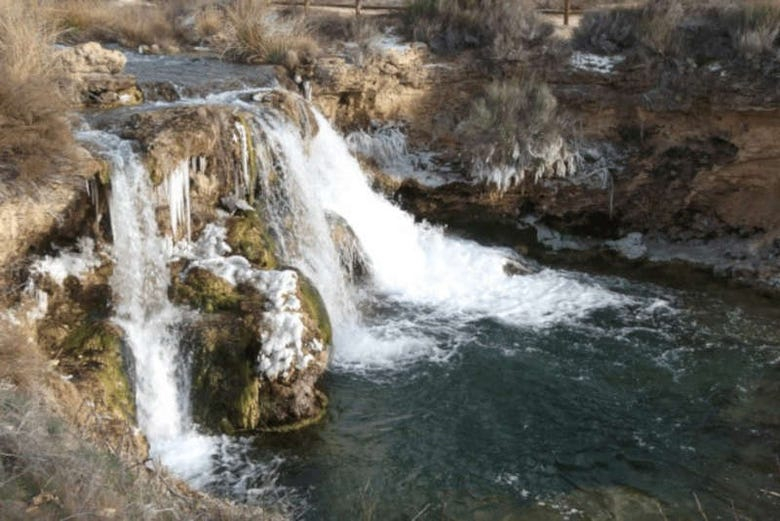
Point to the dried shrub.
(504, 28)
(254, 34)
(611, 31)
(35, 137)
(514, 130)
(701, 30)
(754, 29)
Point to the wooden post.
(566, 7)
(358, 7)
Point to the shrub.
(754, 29)
(255, 35)
(610, 31)
(35, 137)
(607, 32)
(129, 25)
(684, 29)
(513, 130)
(504, 27)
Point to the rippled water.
(630, 409)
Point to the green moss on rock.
(204, 290)
(314, 307)
(249, 237)
(94, 352)
(224, 383)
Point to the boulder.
(95, 76)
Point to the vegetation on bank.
(35, 137)
(49, 468)
(698, 30)
(505, 29)
(256, 34)
(514, 129)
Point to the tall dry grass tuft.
(35, 137)
(255, 34)
(129, 25)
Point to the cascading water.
(423, 285)
(140, 283)
(558, 381)
(152, 324)
(438, 281)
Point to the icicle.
(176, 188)
(242, 139)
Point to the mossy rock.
(224, 382)
(314, 307)
(204, 290)
(249, 237)
(93, 351)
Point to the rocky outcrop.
(261, 341)
(94, 76)
(57, 208)
(398, 84)
(262, 338)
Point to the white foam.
(445, 280)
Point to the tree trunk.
(566, 8)
(306, 7)
(358, 7)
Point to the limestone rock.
(95, 76)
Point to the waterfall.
(150, 322)
(434, 281)
(423, 287)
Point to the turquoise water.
(632, 409)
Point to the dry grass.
(130, 25)
(49, 468)
(35, 137)
(703, 30)
(755, 29)
(505, 28)
(255, 34)
(512, 130)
